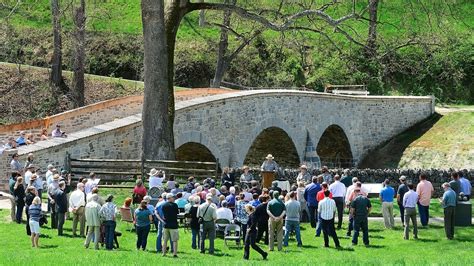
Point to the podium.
(267, 178)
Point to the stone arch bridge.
(242, 127)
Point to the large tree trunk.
(56, 78)
(221, 65)
(80, 54)
(371, 46)
(160, 25)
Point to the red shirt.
(320, 195)
(140, 192)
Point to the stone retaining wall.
(436, 176)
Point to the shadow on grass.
(426, 240)
(346, 249)
(375, 246)
(377, 237)
(45, 236)
(48, 246)
(464, 238)
(376, 230)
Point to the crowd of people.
(29, 138)
(267, 215)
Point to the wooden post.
(67, 162)
(217, 168)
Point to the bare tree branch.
(12, 9)
(288, 20)
(319, 32)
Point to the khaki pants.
(92, 231)
(410, 215)
(275, 227)
(78, 216)
(387, 211)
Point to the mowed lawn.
(387, 248)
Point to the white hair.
(232, 190)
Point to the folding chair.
(232, 232)
(221, 225)
(126, 214)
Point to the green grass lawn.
(387, 247)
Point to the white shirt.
(77, 199)
(49, 177)
(248, 196)
(349, 191)
(90, 185)
(326, 208)
(28, 175)
(155, 181)
(224, 213)
(337, 189)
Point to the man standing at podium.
(268, 168)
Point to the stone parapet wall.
(436, 176)
(78, 119)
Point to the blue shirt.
(387, 194)
(230, 200)
(142, 217)
(181, 202)
(310, 193)
(254, 203)
(159, 207)
(21, 141)
(449, 198)
(465, 186)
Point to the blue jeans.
(159, 238)
(361, 224)
(290, 226)
(195, 238)
(109, 234)
(142, 236)
(424, 212)
(319, 227)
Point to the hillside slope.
(441, 141)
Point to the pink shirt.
(424, 190)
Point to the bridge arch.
(193, 151)
(275, 141)
(334, 147)
(294, 140)
(195, 141)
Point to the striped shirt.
(326, 208)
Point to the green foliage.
(441, 64)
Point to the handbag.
(200, 218)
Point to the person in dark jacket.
(310, 193)
(262, 217)
(19, 194)
(35, 215)
(194, 224)
(61, 206)
(30, 195)
(251, 236)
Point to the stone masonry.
(228, 124)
